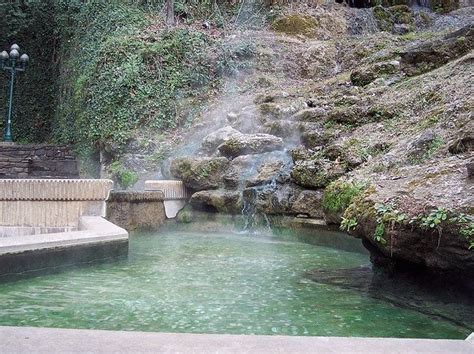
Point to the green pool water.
(180, 281)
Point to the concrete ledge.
(136, 197)
(49, 340)
(55, 203)
(55, 189)
(171, 189)
(97, 238)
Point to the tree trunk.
(169, 11)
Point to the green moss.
(338, 195)
(125, 177)
(296, 25)
(362, 207)
(444, 6)
(387, 17)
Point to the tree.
(169, 12)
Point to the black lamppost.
(9, 62)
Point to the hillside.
(360, 116)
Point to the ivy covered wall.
(31, 24)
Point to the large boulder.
(222, 201)
(316, 173)
(308, 203)
(296, 24)
(243, 144)
(267, 173)
(389, 18)
(364, 76)
(315, 114)
(239, 169)
(272, 199)
(313, 138)
(216, 138)
(415, 241)
(200, 173)
(433, 54)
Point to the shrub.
(339, 194)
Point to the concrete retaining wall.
(32, 206)
(136, 210)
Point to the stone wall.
(136, 210)
(37, 161)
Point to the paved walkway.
(49, 340)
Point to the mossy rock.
(444, 6)
(200, 173)
(387, 18)
(296, 25)
(316, 173)
(337, 197)
(433, 54)
(222, 201)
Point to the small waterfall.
(250, 205)
(421, 3)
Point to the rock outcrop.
(243, 144)
(200, 173)
(433, 54)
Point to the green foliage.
(31, 24)
(387, 215)
(121, 76)
(338, 195)
(348, 224)
(296, 25)
(379, 233)
(442, 218)
(466, 227)
(435, 219)
(386, 18)
(126, 178)
(101, 70)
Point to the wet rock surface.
(316, 173)
(388, 112)
(199, 173)
(222, 201)
(243, 144)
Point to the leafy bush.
(126, 178)
(338, 195)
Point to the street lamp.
(9, 62)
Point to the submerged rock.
(243, 144)
(200, 173)
(429, 294)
